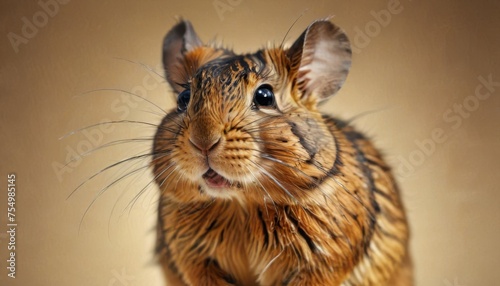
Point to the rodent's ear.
(321, 58)
(180, 40)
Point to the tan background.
(412, 70)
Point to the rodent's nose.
(204, 145)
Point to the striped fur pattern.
(273, 194)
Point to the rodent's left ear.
(180, 40)
(321, 58)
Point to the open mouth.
(214, 180)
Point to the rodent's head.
(247, 126)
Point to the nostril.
(204, 146)
(214, 145)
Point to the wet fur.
(311, 200)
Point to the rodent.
(257, 186)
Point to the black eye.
(264, 96)
(183, 100)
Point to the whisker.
(118, 142)
(272, 261)
(365, 113)
(166, 178)
(243, 114)
(257, 120)
(126, 92)
(154, 113)
(109, 144)
(137, 157)
(106, 123)
(312, 179)
(264, 189)
(147, 67)
(289, 29)
(131, 204)
(276, 181)
(176, 119)
(115, 205)
(103, 190)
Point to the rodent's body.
(261, 194)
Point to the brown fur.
(310, 200)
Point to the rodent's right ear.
(321, 58)
(178, 42)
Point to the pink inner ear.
(191, 39)
(325, 62)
